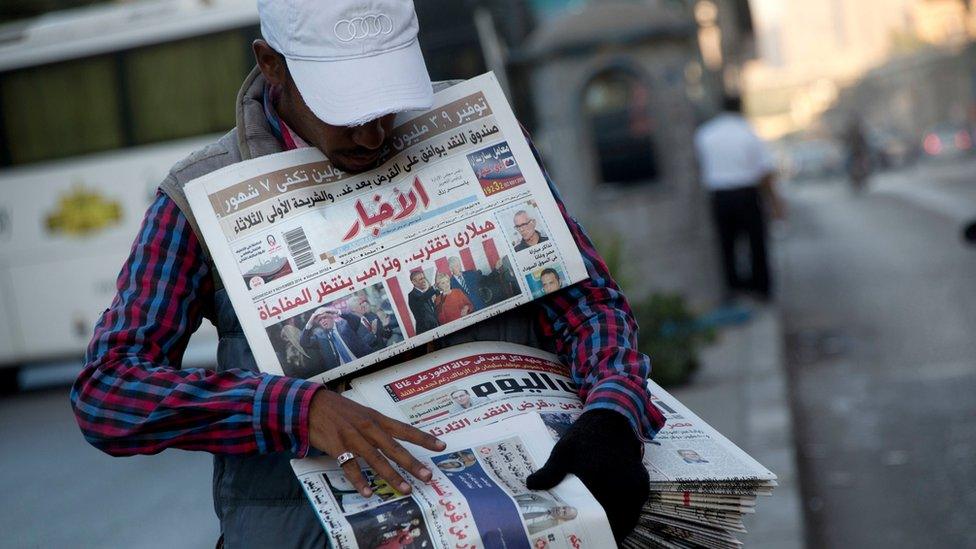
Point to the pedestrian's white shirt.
(730, 154)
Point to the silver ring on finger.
(345, 457)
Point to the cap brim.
(354, 91)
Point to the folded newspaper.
(500, 407)
(331, 272)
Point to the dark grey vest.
(257, 498)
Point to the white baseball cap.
(352, 60)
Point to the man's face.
(362, 307)
(462, 398)
(352, 149)
(455, 266)
(524, 226)
(550, 283)
(420, 281)
(326, 321)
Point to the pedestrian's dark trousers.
(739, 212)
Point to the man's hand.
(337, 424)
(601, 449)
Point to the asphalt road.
(878, 296)
(57, 491)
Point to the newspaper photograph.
(330, 272)
(462, 387)
(476, 498)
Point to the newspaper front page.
(476, 498)
(329, 272)
(465, 386)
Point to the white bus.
(96, 104)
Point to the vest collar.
(254, 134)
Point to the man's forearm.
(132, 397)
(595, 332)
(127, 407)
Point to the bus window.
(60, 110)
(185, 88)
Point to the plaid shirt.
(133, 397)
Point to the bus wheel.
(9, 380)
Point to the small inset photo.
(496, 169)
(541, 513)
(546, 280)
(523, 226)
(262, 261)
(335, 333)
(397, 523)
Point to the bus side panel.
(10, 348)
(71, 225)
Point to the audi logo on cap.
(367, 26)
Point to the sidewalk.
(740, 390)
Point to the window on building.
(615, 104)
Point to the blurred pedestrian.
(859, 162)
(738, 170)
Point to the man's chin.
(355, 165)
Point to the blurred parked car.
(812, 159)
(947, 141)
(890, 151)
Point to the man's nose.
(370, 135)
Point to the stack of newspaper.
(331, 272)
(701, 483)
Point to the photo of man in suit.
(421, 302)
(541, 513)
(334, 338)
(468, 282)
(371, 328)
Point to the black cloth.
(422, 307)
(739, 212)
(601, 449)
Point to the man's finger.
(551, 474)
(410, 433)
(385, 471)
(405, 459)
(355, 475)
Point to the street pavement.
(741, 391)
(57, 491)
(878, 297)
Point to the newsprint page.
(500, 407)
(330, 272)
(476, 498)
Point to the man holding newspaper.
(331, 75)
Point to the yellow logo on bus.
(83, 211)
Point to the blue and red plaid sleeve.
(595, 332)
(133, 397)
